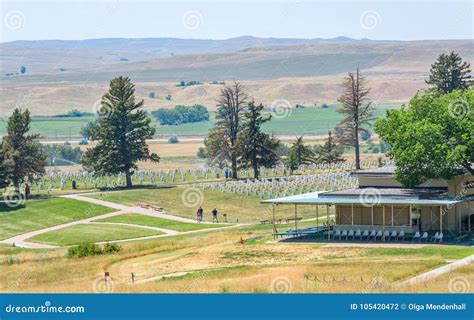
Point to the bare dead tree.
(231, 104)
(359, 113)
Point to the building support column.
(372, 212)
(352, 208)
(327, 220)
(296, 216)
(383, 222)
(317, 215)
(431, 218)
(440, 219)
(409, 217)
(392, 215)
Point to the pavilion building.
(380, 202)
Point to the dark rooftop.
(392, 192)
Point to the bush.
(91, 249)
(111, 248)
(324, 106)
(152, 95)
(173, 139)
(84, 250)
(83, 142)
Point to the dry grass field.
(217, 262)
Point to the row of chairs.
(386, 235)
(369, 235)
(438, 237)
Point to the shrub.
(91, 249)
(83, 142)
(84, 250)
(152, 95)
(111, 248)
(324, 106)
(173, 139)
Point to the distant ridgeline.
(181, 114)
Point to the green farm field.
(305, 121)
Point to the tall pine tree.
(121, 131)
(23, 156)
(257, 148)
(449, 73)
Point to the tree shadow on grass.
(4, 208)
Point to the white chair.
(337, 234)
(358, 233)
(386, 235)
(343, 234)
(424, 237)
(379, 235)
(401, 235)
(394, 235)
(373, 234)
(365, 234)
(350, 234)
(416, 236)
(435, 237)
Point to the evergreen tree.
(330, 152)
(449, 73)
(299, 154)
(3, 169)
(257, 148)
(23, 156)
(232, 102)
(358, 112)
(121, 131)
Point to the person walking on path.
(199, 215)
(214, 216)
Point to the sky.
(212, 19)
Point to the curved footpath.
(20, 240)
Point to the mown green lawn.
(39, 214)
(183, 201)
(144, 220)
(90, 233)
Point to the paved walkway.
(20, 240)
(439, 271)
